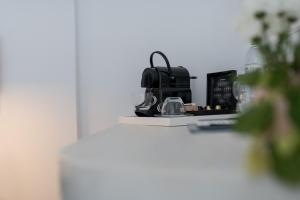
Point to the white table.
(131, 162)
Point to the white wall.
(38, 110)
(116, 37)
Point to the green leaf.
(294, 105)
(267, 54)
(287, 143)
(251, 79)
(258, 157)
(280, 53)
(257, 119)
(275, 79)
(286, 167)
(296, 63)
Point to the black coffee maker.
(163, 82)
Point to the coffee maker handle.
(164, 57)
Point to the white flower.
(250, 26)
(269, 6)
(292, 7)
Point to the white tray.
(172, 121)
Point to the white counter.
(130, 162)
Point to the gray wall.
(115, 39)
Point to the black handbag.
(161, 82)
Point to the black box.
(219, 90)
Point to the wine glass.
(243, 93)
(239, 93)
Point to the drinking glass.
(173, 107)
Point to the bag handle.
(164, 57)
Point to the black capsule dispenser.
(163, 82)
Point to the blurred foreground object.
(273, 119)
